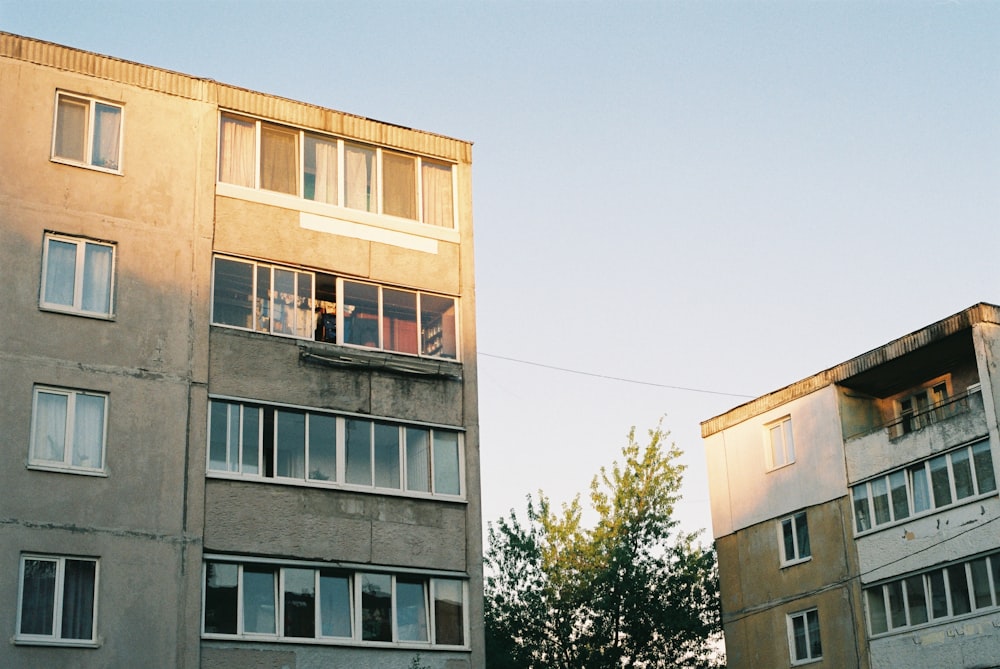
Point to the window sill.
(46, 467)
(776, 468)
(333, 641)
(69, 311)
(792, 563)
(57, 643)
(338, 487)
(799, 663)
(86, 166)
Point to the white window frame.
(792, 521)
(81, 244)
(804, 617)
(35, 461)
(234, 470)
(784, 429)
(881, 592)
(932, 507)
(355, 575)
(378, 210)
(89, 131)
(927, 415)
(56, 638)
(319, 302)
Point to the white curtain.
(107, 136)
(71, 129)
(60, 272)
(50, 427)
(88, 432)
(437, 194)
(236, 155)
(359, 178)
(97, 278)
(418, 461)
(326, 171)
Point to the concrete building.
(855, 511)
(238, 377)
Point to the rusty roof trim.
(963, 320)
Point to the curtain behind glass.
(236, 155)
(446, 466)
(78, 599)
(320, 170)
(399, 185)
(71, 129)
(279, 163)
(438, 203)
(107, 136)
(97, 278)
(60, 272)
(418, 460)
(88, 433)
(50, 427)
(359, 178)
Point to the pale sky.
(704, 196)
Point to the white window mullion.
(341, 163)
(380, 182)
(88, 124)
(256, 157)
(340, 451)
(240, 591)
(68, 444)
(392, 608)
(81, 255)
(381, 303)
(420, 191)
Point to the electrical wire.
(614, 378)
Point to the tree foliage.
(632, 591)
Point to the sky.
(678, 206)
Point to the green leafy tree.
(630, 592)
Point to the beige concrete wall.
(148, 359)
(757, 592)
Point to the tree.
(631, 592)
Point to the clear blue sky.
(723, 196)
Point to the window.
(296, 303)
(289, 602)
(57, 600)
(780, 447)
(77, 275)
(298, 445)
(68, 430)
(794, 534)
(87, 132)
(941, 481)
(334, 171)
(934, 596)
(803, 636)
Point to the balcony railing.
(913, 421)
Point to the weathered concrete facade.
(151, 511)
(894, 472)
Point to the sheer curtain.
(50, 427)
(324, 158)
(359, 178)
(71, 128)
(418, 461)
(107, 136)
(236, 155)
(60, 272)
(97, 278)
(88, 432)
(437, 194)
(279, 165)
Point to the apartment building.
(238, 377)
(855, 511)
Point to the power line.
(613, 378)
